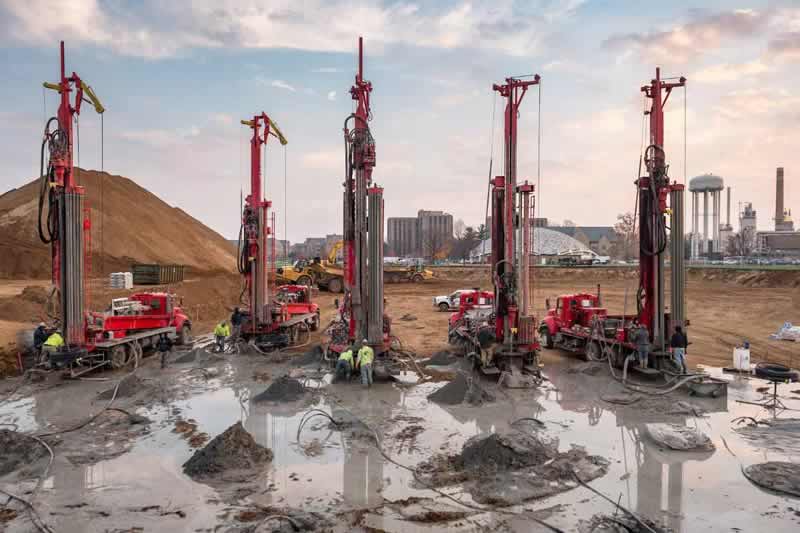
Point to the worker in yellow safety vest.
(344, 365)
(364, 362)
(221, 332)
(53, 342)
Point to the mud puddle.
(328, 471)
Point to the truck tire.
(443, 307)
(335, 285)
(305, 280)
(417, 278)
(774, 371)
(547, 338)
(185, 335)
(118, 356)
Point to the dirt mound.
(462, 389)
(441, 358)
(129, 386)
(234, 449)
(506, 451)
(154, 232)
(311, 357)
(18, 450)
(619, 523)
(283, 389)
(779, 476)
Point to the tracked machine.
(361, 313)
(579, 323)
(270, 320)
(504, 340)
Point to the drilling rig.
(500, 331)
(270, 321)
(362, 311)
(67, 226)
(578, 323)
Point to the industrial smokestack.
(779, 199)
(728, 222)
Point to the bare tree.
(743, 243)
(627, 246)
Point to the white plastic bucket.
(741, 359)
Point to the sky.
(176, 77)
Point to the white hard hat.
(41, 324)
(365, 341)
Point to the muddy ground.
(314, 462)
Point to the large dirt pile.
(283, 389)
(139, 227)
(18, 451)
(461, 389)
(234, 449)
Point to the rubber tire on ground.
(118, 357)
(185, 335)
(443, 307)
(305, 280)
(775, 371)
(592, 352)
(417, 278)
(335, 285)
(547, 338)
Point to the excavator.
(328, 274)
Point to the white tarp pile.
(788, 332)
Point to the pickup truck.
(449, 302)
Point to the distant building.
(599, 239)
(540, 222)
(426, 235)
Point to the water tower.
(706, 244)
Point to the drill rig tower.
(363, 223)
(515, 327)
(255, 230)
(67, 226)
(653, 191)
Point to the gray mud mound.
(129, 386)
(506, 451)
(310, 358)
(677, 437)
(234, 449)
(510, 468)
(189, 357)
(462, 389)
(620, 523)
(283, 389)
(18, 450)
(779, 476)
(348, 423)
(442, 358)
(779, 434)
(589, 368)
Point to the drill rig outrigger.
(270, 321)
(511, 324)
(362, 310)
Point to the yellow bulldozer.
(328, 274)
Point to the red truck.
(472, 327)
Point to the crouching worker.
(221, 332)
(344, 366)
(364, 362)
(53, 343)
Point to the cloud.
(160, 137)
(156, 29)
(280, 84)
(332, 95)
(786, 46)
(329, 160)
(326, 70)
(703, 32)
(726, 72)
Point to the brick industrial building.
(425, 235)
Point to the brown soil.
(139, 227)
(234, 449)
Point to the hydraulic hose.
(653, 226)
(243, 266)
(56, 144)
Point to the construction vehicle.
(91, 340)
(361, 314)
(269, 321)
(506, 340)
(578, 323)
(471, 328)
(328, 274)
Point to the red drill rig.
(362, 311)
(91, 340)
(578, 323)
(269, 322)
(514, 328)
